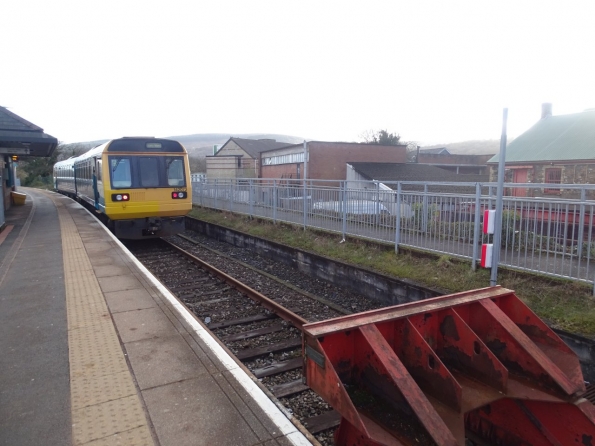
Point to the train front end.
(146, 187)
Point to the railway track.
(262, 331)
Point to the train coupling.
(153, 225)
(477, 367)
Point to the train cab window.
(120, 172)
(149, 171)
(175, 171)
(99, 172)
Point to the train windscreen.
(130, 172)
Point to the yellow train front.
(140, 187)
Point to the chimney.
(546, 109)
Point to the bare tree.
(198, 164)
(66, 151)
(412, 151)
(381, 137)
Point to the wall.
(231, 149)
(293, 171)
(387, 290)
(221, 167)
(327, 159)
(571, 174)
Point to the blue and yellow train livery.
(139, 187)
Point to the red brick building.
(326, 160)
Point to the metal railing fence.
(547, 235)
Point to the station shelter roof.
(21, 137)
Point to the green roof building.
(557, 149)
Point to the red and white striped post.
(487, 249)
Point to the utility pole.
(499, 194)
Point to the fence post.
(231, 196)
(398, 221)
(490, 197)
(200, 187)
(216, 193)
(476, 226)
(377, 204)
(305, 203)
(344, 207)
(275, 195)
(250, 198)
(424, 214)
(581, 225)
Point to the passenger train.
(139, 187)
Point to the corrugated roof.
(555, 138)
(412, 172)
(254, 146)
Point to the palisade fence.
(551, 236)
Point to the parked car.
(353, 207)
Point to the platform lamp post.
(499, 194)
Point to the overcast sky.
(432, 71)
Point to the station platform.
(95, 351)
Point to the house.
(239, 158)
(18, 137)
(556, 150)
(325, 160)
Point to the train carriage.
(138, 186)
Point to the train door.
(97, 181)
(75, 177)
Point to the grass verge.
(564, 304)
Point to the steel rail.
(269, 304)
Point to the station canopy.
(21, 137)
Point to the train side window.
(175, 171)
(99, 171)
(120, 172)
(149, 171)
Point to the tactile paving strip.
(106, 408)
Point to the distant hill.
(473, 147)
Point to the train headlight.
(120, 197)
(176, 195)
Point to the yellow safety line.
(106, 408)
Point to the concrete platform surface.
(95, 351)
